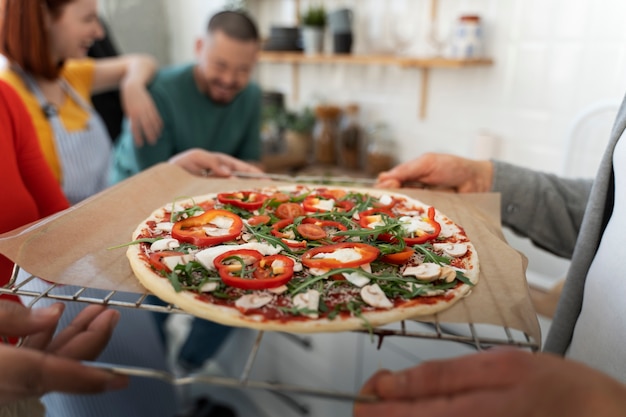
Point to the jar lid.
(469, 18)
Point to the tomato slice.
(327, 257)
(249, 200)
(259, 220)
(263, 272)
(311, 231)
(328, 226)
(192, 230)
(289, 211)
(398, 258)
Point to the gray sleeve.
(543, 207)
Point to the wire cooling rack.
(479, 336)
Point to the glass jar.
(380, 149)
(350, 139)
(325, 134)
(467, 39)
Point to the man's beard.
(233, 90)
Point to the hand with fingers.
(144, 118)
(441, 171)
(201, 162)
(502, 382)
(45, 362)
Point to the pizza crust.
(190, 302)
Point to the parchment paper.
(74, 246)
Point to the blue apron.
(85, 155)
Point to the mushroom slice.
(374, 296)
(278, 290)
(455, 250)
(448, 274)
(164, 226)
(309, 300)
(164, 244)
(252, 301)
(427, 271)
(209, 286)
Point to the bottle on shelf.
(380, 149)
(350, 144)
(325, 134)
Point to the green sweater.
(192, 120)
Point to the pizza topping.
(311, 231)
(399, 258)
(273, 271)
(455, 250)
(374, 296)
(358, 279)
(316, 204)
(278, 290)
(194, 229)
(235, 261)
(164, 244)
(156, 260)
(427, 235)
(209, 286)
(164, 226)
(424, 290)
(309, 302)
(424, 272)
(448, 274)
(289, 211)
(340, 255)
(253, 301)
(248, 200)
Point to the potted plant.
(313, 24)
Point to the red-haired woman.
(30, 192)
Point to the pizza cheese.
(304, 258)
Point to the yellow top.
(79, 75)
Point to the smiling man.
(209, 104)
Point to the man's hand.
(441, 171)
(46, 363)
(504, 382)
(201, 162)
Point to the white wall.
(552, 58)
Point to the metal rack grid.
(479, 336)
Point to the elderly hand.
(145, 121)
(503, 382)
(201, 162)
(46, 363)
(441, 171)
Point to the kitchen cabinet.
(423, 64)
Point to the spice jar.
(467, 39)
(350, 139)
(325, 134)
(380, 149)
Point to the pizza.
(304, 259)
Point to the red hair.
(24, 40)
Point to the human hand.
(504, 382)
(145, 120)
(46, 363)
(441, 171)
(200, 162)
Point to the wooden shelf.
(295, 59)
(402, 61)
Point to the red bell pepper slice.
(235, 260)
(249, 270)
(427, 236)
(248, 200)
(156, 260)
(398, 258)
(367, 254)
(191, 230)
(272, 271)
(288, 239)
